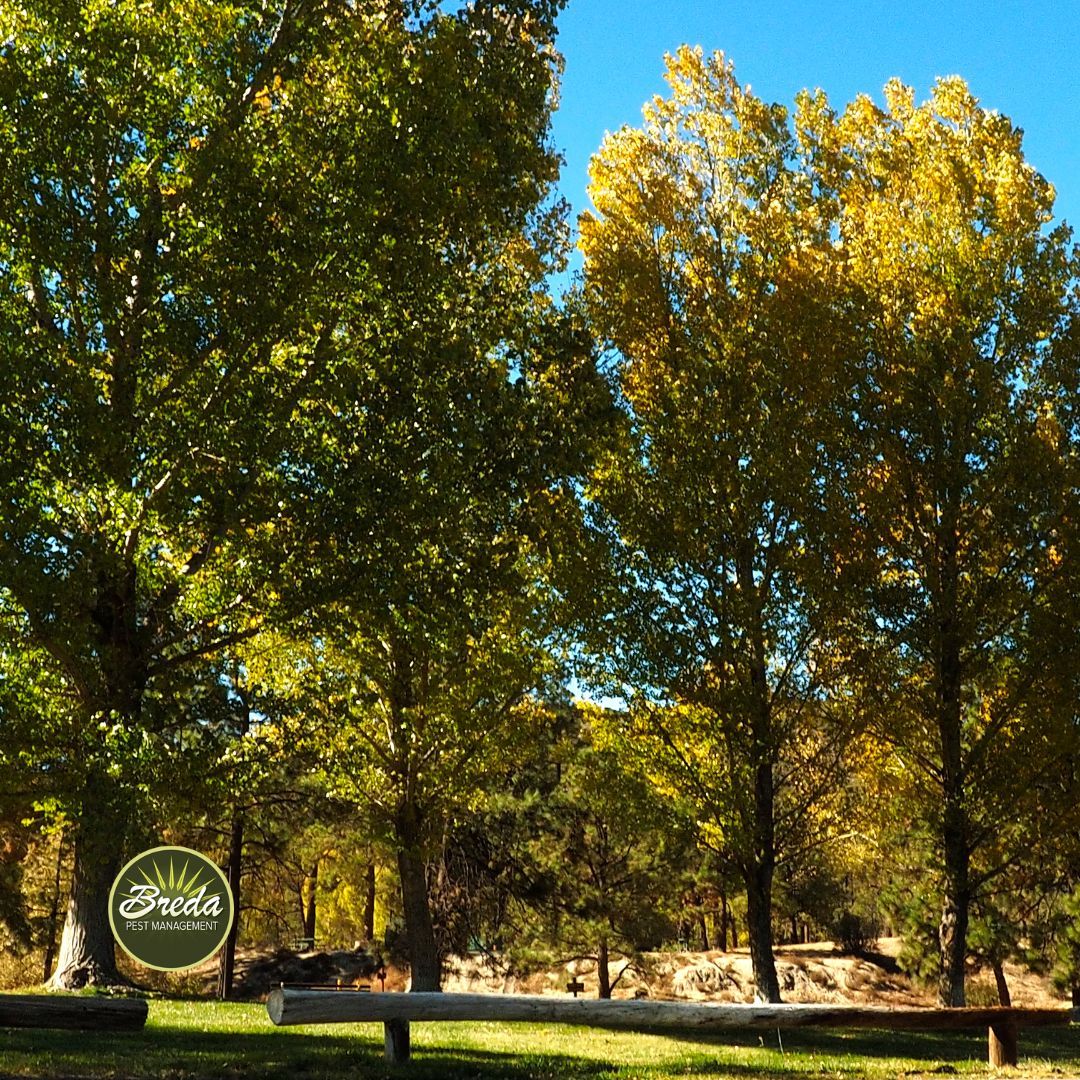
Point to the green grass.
(186, 1039)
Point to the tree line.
(748, 564)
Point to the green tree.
(201, 205)
(708, 267)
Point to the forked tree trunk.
(87, 951)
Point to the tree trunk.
(227, 959)
(952, 934)
(760, 863)
(423, 950)
(723, 935)
(312, 885)
(759, 929)
(1076, 995)
(54, 911)
(954, 916)
(1004, 997)
(603, 970)
(87, 949)
(369, 902)
(703, 926)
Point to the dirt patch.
(809, 973)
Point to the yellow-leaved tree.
(710, 269)
(961, 447)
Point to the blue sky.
(1022, 59)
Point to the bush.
(854, 934)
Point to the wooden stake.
(1004, 1048)
(396, 1041)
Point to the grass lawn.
(195, 1039)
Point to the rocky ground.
(808, 973)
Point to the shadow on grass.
(180, 1053)
(1053, 1044)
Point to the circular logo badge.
(170, 908)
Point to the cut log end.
(275, 1006)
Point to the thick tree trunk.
(227, 959)
(87, 950)
(369, 902)
(423, 950)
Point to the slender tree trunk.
(957, 854)
(87, 950)
(227, 959)
(1004, 997)
(603, 970)
(759, 929)
(312, 885)
(704, 928)
(760, 864)
(724, 919)
(54, 911)
(369, 902)
(1075, 990)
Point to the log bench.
(72, 1011)
(395, 1011)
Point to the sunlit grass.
(195, 1039)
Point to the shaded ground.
(184, 1040)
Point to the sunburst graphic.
(173, 885)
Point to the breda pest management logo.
(170, 908)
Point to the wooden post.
(1004, 1048)
(396, 1041)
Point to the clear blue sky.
(1021, 58)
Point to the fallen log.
(72, 1011)
(287, 1007)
